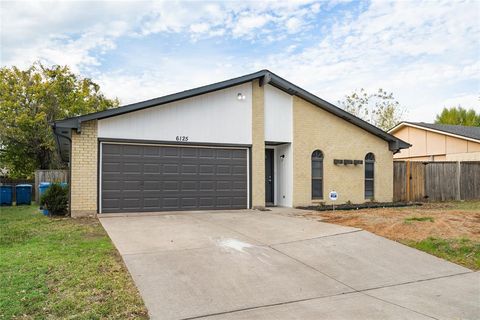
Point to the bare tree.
(379, 108)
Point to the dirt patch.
(440, 220)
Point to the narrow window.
(369, 175)
(317, 174)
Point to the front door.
(269, 190)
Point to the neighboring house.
(247, 142)
(438, 142)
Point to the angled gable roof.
(462, 132)
(265, 77)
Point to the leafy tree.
(30, 100)
(459, 116)
(379, 108)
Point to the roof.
(265, 77)
(452, 130)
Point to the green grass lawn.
(461, 251)
(57, 268)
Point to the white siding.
(283, 175)
(278, 115)
(217, 117)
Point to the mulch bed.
(366, 205)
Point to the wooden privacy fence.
(438, 181)
(49, 176)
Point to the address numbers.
(182, 138)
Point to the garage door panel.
(113, 204)
(239, 185)
(207, 186)
(224, 170)
(189, 203)
(238, 201)
(189, 186)
(151, 151)
(206, 169)
(224, 154)
(152, 168)
(171, 203)
(170, 152)
(171, 186)
(189, 153)
(132, 167)
(132, 204)
(153, 186)
(110, 184)
(130, 150)
(159, 178)
(205, 153)
(239, 170)
(112, 150)
(171, 168)
(187, 169)
(151, 202)
(132, 186)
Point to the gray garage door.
(137, 178)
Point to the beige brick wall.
(258, 145)
(84, 170)
(315, 128)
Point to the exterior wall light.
(240, 96)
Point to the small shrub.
(320, 205)
(55, 199)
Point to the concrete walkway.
(265, 265)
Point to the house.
(248, 142)
(438, 142)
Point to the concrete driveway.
(266, 265)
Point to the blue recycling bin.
(42, 187)
(23, 194)
(6, 195)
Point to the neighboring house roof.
(463, 132)
(265, 76)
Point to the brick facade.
(84, 170)
(315, 128)
(258, 145)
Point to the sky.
(426, 53)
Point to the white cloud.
(42, 30)
(420, 51)
(199, 27)
(425, 52)
(246, 24)
(70, 33)
(293, 24)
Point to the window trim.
(313, 179)
(369, 159)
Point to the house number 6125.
(182, 138)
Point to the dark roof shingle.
(464, 131)
(266, 77)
